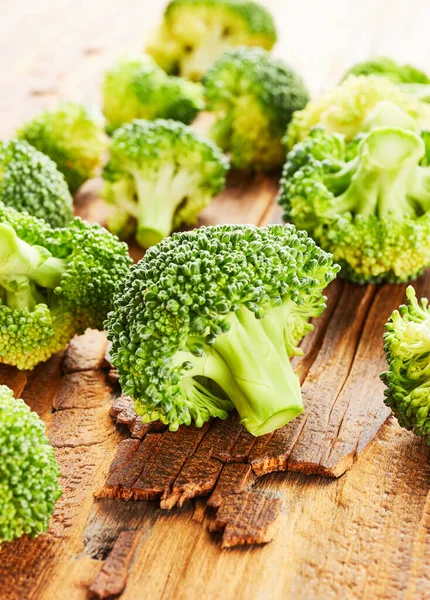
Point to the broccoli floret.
(372, 212)
(254, 96)
(345, 108)
(54, 283)
(72, 136)
(194, 33)
(161, 175)
(407, 346)
(386, 67)
(31, 182)
(208, 319)
(137, 88)
(29, 472)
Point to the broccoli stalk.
(250, 364)
(381, 176)
(159, 199)
(21, 264)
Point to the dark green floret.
(137, 88)
(161, 174)
(31, 182)
(386, 67)
(254, 96)
(194, 33)
(367, 203)
(72, 136)
(407, 347)
(54, 283)
(207, 321)
(29, 472)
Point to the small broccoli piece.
(407, 346)
(54, 283)
(224, 305)
(372, 212)
(72, 136)
(161, 175)
(31, 182)
(29, 472)
(137, 88)
(345, 108)
(194, 33)
(254, 96)
(386, 67)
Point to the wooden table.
(365, 535)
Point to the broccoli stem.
(250, 364)
(205, 54)
(23, 266)
(387, 162)
(158, 202)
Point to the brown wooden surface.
(364, 535)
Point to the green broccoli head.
(371, 211)
(161, 174)
(194, 33)
(208, 319)
(254, 96)
(54, 283)
(31, 182)
(386, 67)
(137, 88)
(72, 136)
(407, 346)
(345, 108)
(29, 472)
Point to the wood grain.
(363, 536)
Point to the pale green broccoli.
(72, 135)
(54, 283)
(31, 182)
(161, 174)
(369, 206)
(29, 473)
(254, 96)
(345, 108)
(389, 68)
(137, 88)
(407, 347)
(194, 33)
(207, 321)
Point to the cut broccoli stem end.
(259, 380)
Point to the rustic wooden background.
(364, 535)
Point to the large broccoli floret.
(372, 211)
(194, 33)
(345, 108)
(208, 319)
(407, 346)
(254, 96)
(137, 88)
(54, 283)
(31, 182)
(73, 136)
(29, 472)
(387, 67)
(161, 174)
